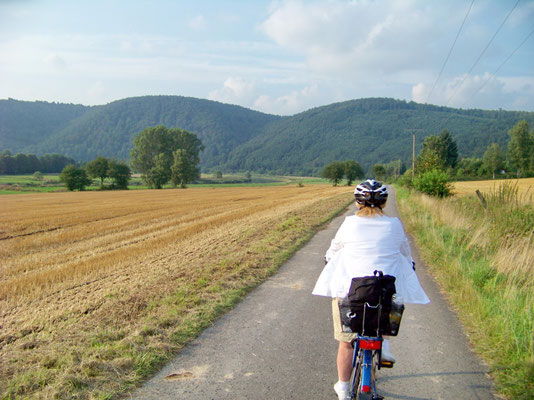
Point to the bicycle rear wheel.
(361, 379)
(356, 380)
(356, 377)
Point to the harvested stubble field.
(99, 288)
(525, 186)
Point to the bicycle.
(367, 355)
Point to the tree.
(449, 149)
(38, 176)
(156, 145)
(189, 142)
(427, 160)
(183, 170)
(334, 172)
(159, 174)
(74, 178)
(520, 147)
(5, 161)
(395, 168)
(353, 170)
(120, 173)
(21, 164)
(470, 167)
(379, 171)
(54, 162)
(217, 175)
(33, 163)
(438, 152)
(98, 168)
(493, 159)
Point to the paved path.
(278, 344)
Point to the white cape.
(363, 245)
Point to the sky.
(279, 57)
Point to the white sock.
(385, 345)
(343, 385)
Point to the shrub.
(74, 178)
(406, 179)
(434, 183)
(38, 176)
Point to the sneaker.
(387, 356)
(342, 390)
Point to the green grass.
(496, 307)
(16, 184)
(19, 184)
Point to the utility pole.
(413, 157)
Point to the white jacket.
(363, 245)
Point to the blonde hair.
(366, 211)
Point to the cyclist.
(366, 242)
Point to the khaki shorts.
(338, 332)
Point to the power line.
(495, 72)
(500, 66)
(450, 51)
(481, 54)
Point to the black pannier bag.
(371, 296)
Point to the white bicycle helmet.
(371, 193)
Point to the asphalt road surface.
(278, 344)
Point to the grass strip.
(460, 244)
(23, 184)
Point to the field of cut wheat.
(525, 186)
(98, 288)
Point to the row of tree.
(20, 163)
(440, 152)
(338, 170)
(77, 178)
(159, 154)
(438, 162)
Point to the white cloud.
(97, 91)
(397, 48)
(261, 96)
(228, 18)
(56, 61)
(305, 53)
(235, 91)
(479, 91)
(420, 93)
(289, 104)
(198, 23)
(355, 37)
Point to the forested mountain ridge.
(24, 123)
(109, 130)
(373, 130)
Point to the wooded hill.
(374, 130)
